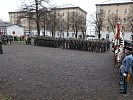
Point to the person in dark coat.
(1, 50)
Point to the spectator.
(127, 63)
(126, 52)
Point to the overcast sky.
(11, 5)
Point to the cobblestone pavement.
(30, 72)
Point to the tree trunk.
(99, 35)
(37, 20)
(44, 28)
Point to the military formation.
(94, 45)
(5, 39)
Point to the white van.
(90, 37)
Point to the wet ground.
(30, 72)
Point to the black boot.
(123, 92)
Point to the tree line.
(42, 16)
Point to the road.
(30, 72)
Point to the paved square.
(30, 72)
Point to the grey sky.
(11, 5)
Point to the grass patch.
(5, 97)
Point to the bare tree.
(83, 26)
(99, 20)
(25, 16)
(53, 22)
(78, 23)
(50, 23)
(111, 21)
(43, 19)
(35, 7)
(130, 20)
(58, 23)
(67, 23)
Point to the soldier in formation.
(1, 50)
(73, 43)
(48, 41)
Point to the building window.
(125, 12)
(107, 36)
(3, 31)
(108, 19)
(73, 13)
(125, 20)
(68, 13)
(58, 14)
(117, 11)
(108, 11)
(101, 11)
(107, 28)
(72, 34)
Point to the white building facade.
(16, 29)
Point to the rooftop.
(4, 24)
(67, 6)
(115, 2)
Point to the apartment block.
(63, 12)
(121, 8)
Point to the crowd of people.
(5, 39)
(125, 68)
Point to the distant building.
(3, 28)
(63, 12)
(9, 29)
(16, 29)
(118, 7)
